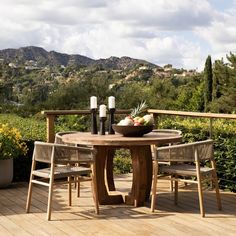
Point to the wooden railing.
(51, 114)
(209, 116)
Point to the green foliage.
(196, 102)
(219, 75)
(11, 144)
(208, 82)
(129, 95)
(122, 161)
(224, 86)
(26, 92)
(225, 153)
(73, 122)
(32, 128)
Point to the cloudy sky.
(179, 32)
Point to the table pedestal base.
(103, 197)
(142, 176)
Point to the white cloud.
(162, 14)
(221, 34)
(151, 30)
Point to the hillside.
(41, 57)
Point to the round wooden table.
(140, 149)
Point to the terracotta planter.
(6, 172)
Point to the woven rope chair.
(183, 155)
(55, 154)
(171, 131)
(109, 169)
(58, 136)
(86, 163)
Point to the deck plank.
(80, 218)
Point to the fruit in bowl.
(135, 125)
(134, 119)
(137, 121)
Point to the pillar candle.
(111, 102)
(102, 111)
(93, 102)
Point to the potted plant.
(11, 146)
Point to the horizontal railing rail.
(192, 114)
(156, 113)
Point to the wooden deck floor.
(80, 219)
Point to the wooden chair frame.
(186, 153)
(179, 132)
(58, 140)
(55, 154)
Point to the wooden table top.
(155, 137)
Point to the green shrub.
(11, 144)
(122, 161)
(32, 128)
(72, 122)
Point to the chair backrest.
(190, 152)
(62, 154)
(58, 136)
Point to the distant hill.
(52, 58)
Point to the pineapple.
(139, 109)
(135, 119)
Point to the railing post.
(155, 117)
(210, 132)
(50, 128)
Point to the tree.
(208, 82)
(220, 79)
(68, 96)
(224, 85)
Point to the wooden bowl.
(132, 131)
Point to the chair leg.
(75, 182)
(95, 197)
(28, 203)
(154, 186)
(78, 186)
(176, 192)
(29, 197)
(215, 180)
(171, 184)
(218, 198)
(200, 193)
(76, 178)
(94, 189)
(50, 192)
(69, 190)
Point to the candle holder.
(102, 125)
(111, 121)
(94, 128)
